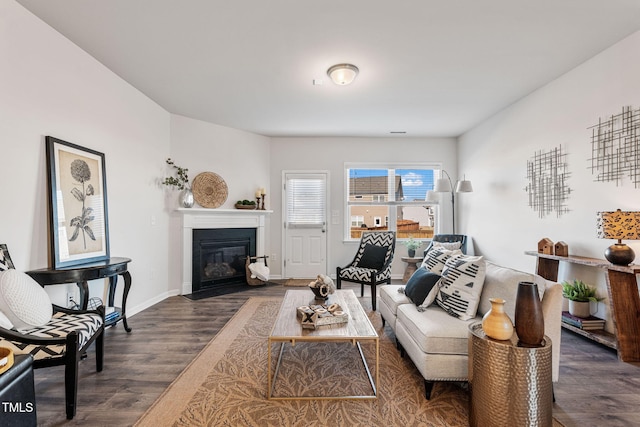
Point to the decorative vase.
(412, 252)
(579, 308)
(496, 323)
(529, 318)
(186, 198)
(321, 292)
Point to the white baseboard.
(132, 311)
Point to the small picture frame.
(5, 258)
(78, 217)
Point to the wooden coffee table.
(288, 329)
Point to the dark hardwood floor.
(595, 389)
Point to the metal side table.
(509, 385)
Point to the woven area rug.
(226, 384)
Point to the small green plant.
(246, 202)
(579, 291)
(412, 244)
(181, 181)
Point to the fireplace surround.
(212, 219)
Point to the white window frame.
(392, 203)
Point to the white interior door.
(305, 224)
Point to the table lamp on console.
(619, 225)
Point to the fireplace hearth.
(217, 219)
(219, 257)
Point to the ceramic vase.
(529, 318)
(186, 198)
(411, 253)
(496, 323)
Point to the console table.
(624, 301)
(82, 274)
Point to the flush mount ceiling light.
(343, 74)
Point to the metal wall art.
(548, 190)
(615, 147)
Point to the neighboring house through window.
(384, 197)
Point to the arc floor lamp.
(445, 185)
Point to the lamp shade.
(343, 74)
(618, 225)
(443, 185)
(464, 186)
(432, 197)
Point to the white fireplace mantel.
(201, 218)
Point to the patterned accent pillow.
(5, 258)
(461, 286)
(437, 258)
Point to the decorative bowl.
(249, 207)
(6, 359)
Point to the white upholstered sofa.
(437, 343)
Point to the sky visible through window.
(415, 182)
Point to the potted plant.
(181, 182)
(412, 245)
(580, 295)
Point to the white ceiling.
(427, 67)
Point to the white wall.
(240, 158)
(495, 155)
(331, 154)
(48, 86)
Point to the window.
(391, 197)
(357, 221)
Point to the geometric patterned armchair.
(372, 263)
(62, 340)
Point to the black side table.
(17, 393)
(81, 274)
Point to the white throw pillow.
(25, 303)
(447, 245)
(259, 270)
(461, 286)
(5, 322)
(437, 257)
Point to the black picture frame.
(78, 218)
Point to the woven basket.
(256, 281)
(209, 190)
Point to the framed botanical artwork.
(77, 204)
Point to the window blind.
(306, 202)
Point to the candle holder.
(264, 196)
(258, 202)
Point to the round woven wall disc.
(209, 190)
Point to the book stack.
(585, 323)
(110, 314)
